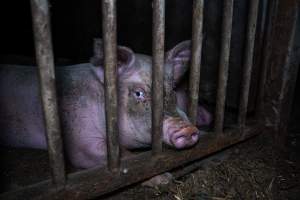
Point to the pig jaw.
(179, 133)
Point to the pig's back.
(21, 119)
(20, 107)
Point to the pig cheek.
(139, 115)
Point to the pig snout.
(180, 134)
(185, 137)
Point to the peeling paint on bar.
(45, 61)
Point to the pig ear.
(179, 58)
(125, 59)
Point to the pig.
(80, 92)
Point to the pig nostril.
(182, 137)
(195, 136)
(180, 141)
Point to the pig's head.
(134, 79)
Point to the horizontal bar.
(197, 37)
(223, 65)
(248, 62)
(158, 48)
(109, 27)
(94, 182)
(45, 61)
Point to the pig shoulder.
(81, 102)
(20, 106)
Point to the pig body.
(21, 119)
(80, 94)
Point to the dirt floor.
(253, 170)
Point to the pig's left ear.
(179, 58)
(125, 60)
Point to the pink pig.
(81, 105)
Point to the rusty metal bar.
(197, 37)
(109, 27)
(45, 61)
(158, 47)
(248, 62)
(223, 65)
(87, 184)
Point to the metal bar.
(158, 73)
(258, 51)
(45, 61)
(291, 68)
(266, 53)
(94, 182)
(248, 62)
(284, 69)
(223, 65)
(109, 27)
(197, 37)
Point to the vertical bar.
(109, 27)
(264, 16)
(223, 64)
(248, 62)
(158, 73)
(45, 61)
(266, 53)
(197, 37)
(289, 79)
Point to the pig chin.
(179, 134)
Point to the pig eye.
(139, 94)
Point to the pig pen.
(268, 52)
